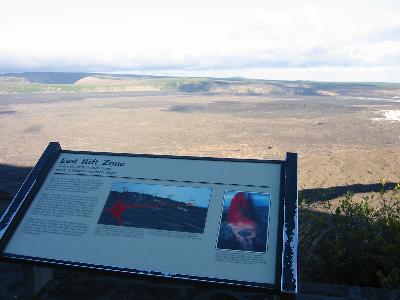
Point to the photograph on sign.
(162, 207)
(244, 221)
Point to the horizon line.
(194, 76)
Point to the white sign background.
(193, 255)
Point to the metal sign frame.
(286, 252)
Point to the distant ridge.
(59, 82)
(70, 78)
(50, 77)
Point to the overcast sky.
(338, 40)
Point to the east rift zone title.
(92, 161)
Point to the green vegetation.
(354, 243)
(201, 86)
(39, 88)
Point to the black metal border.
(25, 194)
(289, 282)
(273, 161)
(35, 179)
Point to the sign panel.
(190, 218)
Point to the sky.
(195, 195)
(336, 40)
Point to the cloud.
(198, 35)
(390, 34)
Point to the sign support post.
(35, 278)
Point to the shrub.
(355, 243)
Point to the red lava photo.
(244, 221)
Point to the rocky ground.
(344, 145)
(339, 141)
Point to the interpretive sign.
(221, 221)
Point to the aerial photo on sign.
(244, 221)
(173, 208)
